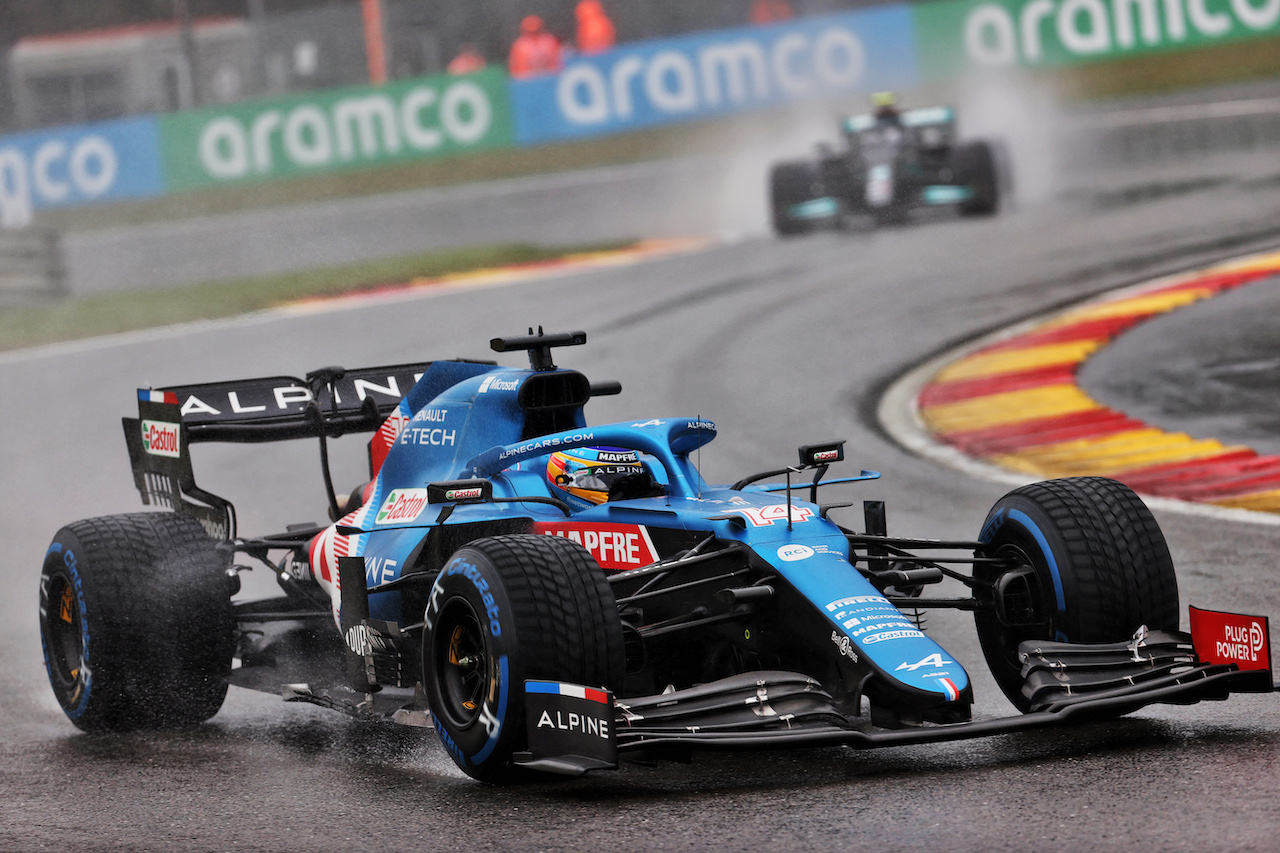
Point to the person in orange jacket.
(535, 51)
(770, 11)
(468, 60)
(596, 32)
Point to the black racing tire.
(502, 610)
(974, 165)
(1101, 566)
(791, 184)
(136, 622)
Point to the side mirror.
(460, 491)
(813, 455)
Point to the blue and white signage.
(706, 74)
(74, 165)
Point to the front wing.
(1067, 683)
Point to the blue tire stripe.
(1022, 518)
(502, 714)
(78, 711)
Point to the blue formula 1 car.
(551, 595)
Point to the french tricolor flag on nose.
(573, 690)
(146, 395)
(953, 692)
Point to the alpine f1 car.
(892, 163)
(551, 595)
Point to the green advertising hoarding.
(324, 131)
(965, 35)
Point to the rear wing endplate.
(158, 444)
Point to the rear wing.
(329, 403)
(926, 116)
(921, 117)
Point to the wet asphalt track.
(781, 343)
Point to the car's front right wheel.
(792, 184)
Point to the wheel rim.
(1007, 637)
(461, 660)
(64, 631)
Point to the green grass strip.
(103, 314)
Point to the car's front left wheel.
(974, 166)
(502, 610)
(1076, 560)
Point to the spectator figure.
(770, 11)
(468, 59)
(596, 32)
(536, 51)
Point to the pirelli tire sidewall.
(469, 587)
(64, 628)
(1019, 527)
(1024, 525)
(505, 609)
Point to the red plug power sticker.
(1231, 638)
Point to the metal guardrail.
(31, 263)
(1184, 112)
(1180, 131)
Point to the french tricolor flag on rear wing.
(146, 395)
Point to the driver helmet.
(886, 105)
(584, 476)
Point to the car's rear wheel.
(1084, 562)
(136, 622)
(502, 610)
